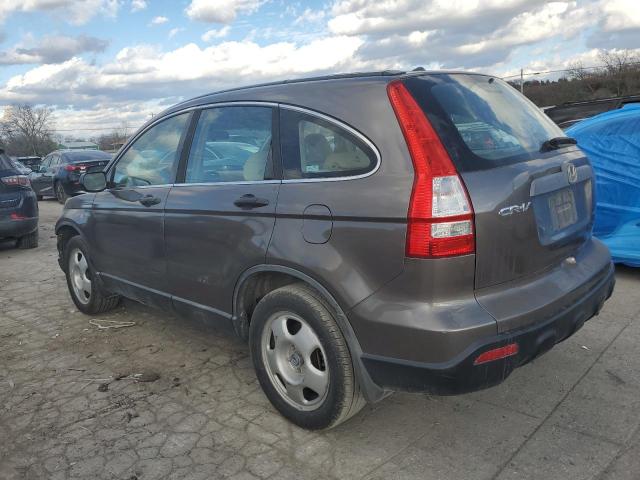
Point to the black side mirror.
(93, 181)
(42, 169)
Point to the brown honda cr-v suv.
(423, 231)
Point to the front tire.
(302, 360)
(61, 195)
(87, 294)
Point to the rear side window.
(315, 148)
(231, 144)
(482, 121)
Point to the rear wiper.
(557, 142)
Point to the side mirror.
(42, 169)
(93, 181)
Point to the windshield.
(482, 121)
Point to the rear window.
(5, 162)
(85, 156)
(482, 121)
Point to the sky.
(101, 64)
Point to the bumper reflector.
(497, 354)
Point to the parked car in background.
(59, 173)
(18, 205)
(570, 113)
(23, 169)
(612, 141)
(32, 163)
(429, 231)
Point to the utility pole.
(521, 81)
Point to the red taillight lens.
(16, 180)
(497, 354)
(440, 217)
(17, 216)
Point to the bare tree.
(112, 141)
(26, 130)
(576, 71)
(620, 66)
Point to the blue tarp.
(612, 142)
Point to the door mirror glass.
(94, 181)
(42, 169)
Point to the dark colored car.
(18, 205)
(59, 174)
(23, 169)
(392, 231)
(570, 113)
(32, 163)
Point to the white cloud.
(77, 12)
(309, 16)
(144, 72)
(137, 5)
(210, 35)
(51, 49)
(174, 31)
(159, 20)
(220, 11)
(621, 14)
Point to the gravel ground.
(169, 399)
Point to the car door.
(220, 215)
(42, 180)
(128, 217)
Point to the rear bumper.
(18, 228)
(460, 375)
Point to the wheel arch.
(65, 231)
(259, 280)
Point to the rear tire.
(87, 293)
(28, 241)
(302, 360)
(61, 195)
(39, 197)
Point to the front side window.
(153, 158)
(231, 144)
(315, 148)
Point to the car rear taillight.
(75, 168)
(440, 216)
(16, 180)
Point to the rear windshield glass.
(482, 121)
(85, 156)
(5, 162)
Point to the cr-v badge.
(521, 208)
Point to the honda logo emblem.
(572, 173)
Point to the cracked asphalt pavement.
(168, 398)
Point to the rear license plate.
(562, 206)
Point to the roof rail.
(381, 73)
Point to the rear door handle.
(251, 201)
(149, 200)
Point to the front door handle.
(251, 201)
(149, 200)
